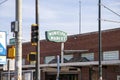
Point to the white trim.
(115, 62)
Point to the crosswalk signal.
(34, 34)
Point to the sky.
(64, 15)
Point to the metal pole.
(58, 67)
(100, 38)
(79, 17)
(38, 43)
(62, 53)
(18, 63)
(8, 69)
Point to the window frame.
(48, 60)
(90, 55)
(111, 55)
(68, 56)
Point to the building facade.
(80, 57)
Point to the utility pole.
(38, 43)
(100, 40)
(80, 17)
(18, 38)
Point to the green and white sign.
(56, 36)
(12, 41)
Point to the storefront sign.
(56, 36)
(2, 47)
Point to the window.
(111, 55)
(89, 56)
(48, 59)
(68, 57)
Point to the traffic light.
(34, 34)
(31, 56)
(11, 52)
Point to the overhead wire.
(3, 2)
(110, 21)
(112, 12)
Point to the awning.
(90, 63)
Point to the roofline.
(82, 34)
(95, 32)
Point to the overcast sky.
(59, 15)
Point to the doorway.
(62, 77)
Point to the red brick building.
(80, 57)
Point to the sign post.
(58, 67)
(57, 36)
(62, 52)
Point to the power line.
(3, 2)
(110, 10)
(110, 21)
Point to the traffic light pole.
(18, 45)
(38, 43)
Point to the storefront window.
(68, 57)
(111, 55)
(48, 59)
(89, 56)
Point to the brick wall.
(86, 41)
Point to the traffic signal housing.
(11, 52)
(34, 34)
(31, 56)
